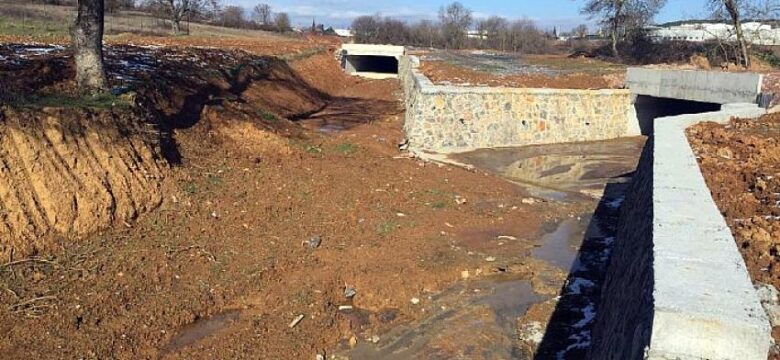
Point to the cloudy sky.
(563, 14)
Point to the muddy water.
(480, 319)
(557, 171)
(469, 321)
(201, 329)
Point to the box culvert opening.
(649, 108)
(372, 64)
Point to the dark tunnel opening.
(649, 108)
(372, 64)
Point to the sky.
(563, 14)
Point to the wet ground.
(508, 315)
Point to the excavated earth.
(741, 164)
(176, 219)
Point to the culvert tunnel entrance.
(371, 65)
(649, 108)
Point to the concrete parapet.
(447, 119)
(677, 286)
(694, 85)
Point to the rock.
(349, 292)
(528, 201)
(490, 259)
(314, 242)
(767, 293)
(769, 297)
(464, 274)
(725, 153)
(352, 342)
(415, 301)
(375, 339)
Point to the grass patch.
(439, 204)
(267, 116)
(31, 27)
(190, 187)
(386, 228)
(346, 148)
(101, 101)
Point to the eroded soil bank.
(741, 164)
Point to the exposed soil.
(741, 164)
(224, 265)
(441, 72)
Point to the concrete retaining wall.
(677, 286)
(447, 119)
(694, 85)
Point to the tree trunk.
(87, 37)
(731, 7)
(176, 26)
(616, 27)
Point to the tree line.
(452, 31)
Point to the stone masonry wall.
(455, 118)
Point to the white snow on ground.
(575, 287)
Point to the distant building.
(756, 32)
(345, 33)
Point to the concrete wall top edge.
(373, 50)
(702, 286)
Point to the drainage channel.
(517, 316)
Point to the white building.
(344, 33)
(755, 32)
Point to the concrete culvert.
(648, 108)
(371, 61)
(371, 64)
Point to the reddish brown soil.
(248, 186)
(440, 71)
(741, 163)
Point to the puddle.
(559, 248)
(201, 329)
(473, 320)
(558, 172)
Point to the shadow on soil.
(568, 334)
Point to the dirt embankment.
(741, 164)
(72, 167)
(72, 172)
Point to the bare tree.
(87, 37)
(455, 22)
(734, 9)
(621, 17)
(424, 33)
(282, 22)
(261, 14)
(365, 28)
(580, 31)
(493, 32)
(233, 16)
(178, 10)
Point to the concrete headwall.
(456, 118)
(677, 286)
(694, 85)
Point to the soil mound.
(67, 173)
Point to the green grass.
(346, 148)
(190, 187)
(267, 116)
(386, 228)
(102, 101)
(19, 27)
(439, 204)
